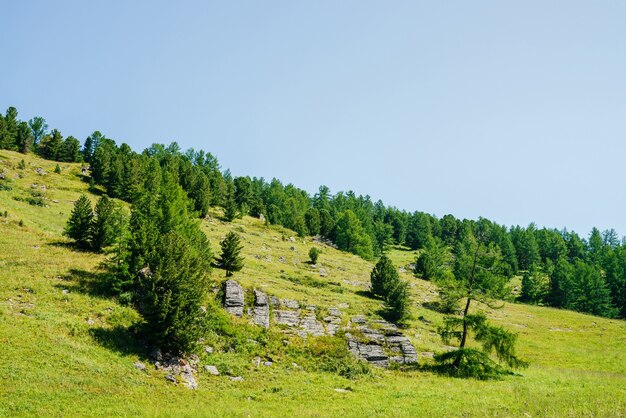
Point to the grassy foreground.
(66, 352)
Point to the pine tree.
(384, 277)
(351, 236)
(106, 224)
(230, 260)
(230, 210)
(79, 225)
(435, 261)
(168, 259)
(398, 302)
(50, 145)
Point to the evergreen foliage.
(384, 277)
(166, 264)
(435, 261)
(107, 224)
(479, 276)
(398, 302)
(314, 253)
(354, 223)
(79, 225)
(230, 259)
(351, 236)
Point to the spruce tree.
(230, 209)
(168, 259)
(230, 260)
(79, 225)
(384, 277)
(106, 224)
(398, 302)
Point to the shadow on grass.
(367, 294)
(69, 245)
(121, 340)
(87, 283)
(437, 306)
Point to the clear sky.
(511, 110)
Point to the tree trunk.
(457, 361)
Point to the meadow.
(67, 348)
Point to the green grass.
(70, 354)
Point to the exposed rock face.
(370, 352)
(382, 345)
(312, 326)
(376, 341)
(287, 317)
(289, 303)
(401, 345)
(233, 298)
(261, 309)
(334, 312)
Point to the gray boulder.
(233, 298)
(261, 309)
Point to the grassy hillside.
(66, 349)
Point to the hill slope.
(66, 349)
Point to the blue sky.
(515, 111)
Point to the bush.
(314, 253)
(330, 354)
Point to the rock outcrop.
(233, 298)
(261, 310)
(376, 341)
(380, 344)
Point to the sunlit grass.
(63, 356)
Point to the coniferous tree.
(314, 254)
(230, 259)
(168, 261)
(398, 302)
(50, 145)
(351, 236)
(69, 150)
(312, 219)
(535, 285)
(38, 128)
(384, 277)
(560, 284)
(24, 137)
(435, 261)
(107, 223)
(230, 210)
(79, 225)
(590, 292)
(480, 277)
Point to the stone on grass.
(212, 370)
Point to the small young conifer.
(230, 260)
